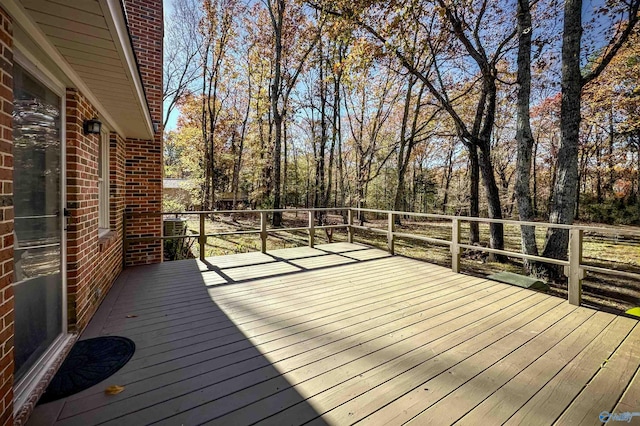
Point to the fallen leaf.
(114, 390)
(131, 316)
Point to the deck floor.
(344, 333)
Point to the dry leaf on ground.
(114, 390)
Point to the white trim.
(24, 389)
(22, 18)
(28, 383)
(63, 206)
(104, 202)
(26, 60)
(117, 21)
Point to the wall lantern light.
(92, 127)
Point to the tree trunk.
(535, 179)
(204, 205)
(496, 239)
(483, 142)
(474, 194)
(337, 139)
(610, 161)
(277, 121)
(398, 201)
(285, 162)
(276, 92)
(236, 170)
(566, 182)
(599, 189)
(330, 167)
(637, 138)
(447, 178)
(402, 159)
(320, 160)
(524, 137)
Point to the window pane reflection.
(37, 229)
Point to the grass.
(602, 291)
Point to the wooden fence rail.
(574, 269)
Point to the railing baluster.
(455, 249)
(390, 228)
(202, 238)
(312, 231)
(576, 273)
(263, 232)
(350, 225)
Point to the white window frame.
(104, 217)
(26, 386)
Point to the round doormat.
(89, 362)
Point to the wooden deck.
(344, 333)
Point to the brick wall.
(144, 195)
(82, 203)
(6, 220)
(93, 263)
(144, 164)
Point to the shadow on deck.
(343, 333)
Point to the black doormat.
(89, 362)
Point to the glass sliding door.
(38, 219)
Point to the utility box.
(175, 226)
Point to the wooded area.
(459, 107)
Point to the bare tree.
(281, 86)
(181, 53)
(565, 190)
(217, 28)
(524, 136)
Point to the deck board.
(565, 336)
(342, 333)
(608, 384)
(551, 400)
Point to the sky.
(173, 119)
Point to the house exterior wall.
(6, 220)
(93, 262)
(144, 163)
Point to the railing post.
(263, 232)
(455, 249)
(312, 231)
(202, 238)
(350, 227)
(576, 273)
(391, 227)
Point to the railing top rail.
(256, 211)
(586, 228)
(469, 218)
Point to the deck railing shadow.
(303, 263)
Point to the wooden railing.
(263, 231)
(574, 268)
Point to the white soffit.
(93, 47)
